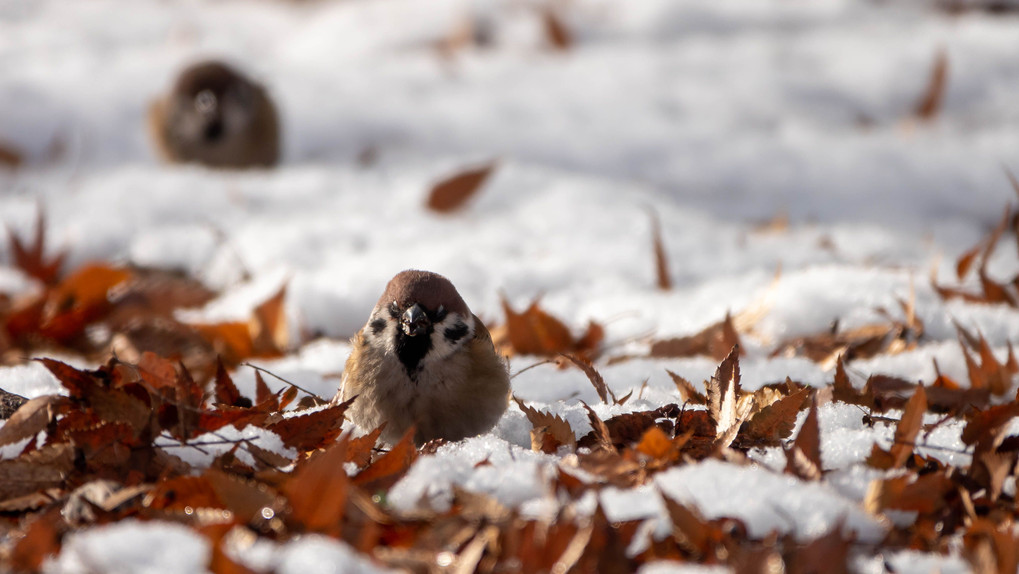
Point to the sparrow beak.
(414, 321)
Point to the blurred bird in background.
(215, 116)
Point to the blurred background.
(876, 127)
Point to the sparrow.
(424, 359)
(215, 116)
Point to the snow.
(308, 554)
(132, 546)
(715, 114)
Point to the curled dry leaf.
(453, 192)
(714, 341)
(803, 459)
(548, 432)
(775, 422)
(908, 428)
(727, 405)
(594, 376)
(661, 259)
(929, 105)
(390, 467)
(32, 417)
(536, 332)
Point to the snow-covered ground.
(719, 115)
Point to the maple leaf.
(76, 381)
(359, 449)
(270, 336)
(715, 341)
(687, 392)
(314, 430)
(31, 258)
(775, 422)
(535, 332)
(803, 459)
(453, 192)
(548, 431)
(924, 494)
(390, 467)
(594, 376)
(247, 499)
(225, 389)
(726, 404)
(987, 425)
(602, 439)
(318, 492)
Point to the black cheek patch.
(456, 332)
(377, 326)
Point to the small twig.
(274, 375)
(538, 364)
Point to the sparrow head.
(420, 318)
(215, 115)
(211, 103)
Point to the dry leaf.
(390, 467)
(453, 192)
(714, 341)
(549, 431)
(318, 492)
(929, 105)
(661, 259)
(775, 422)
(31, 258)
(908, 427)
(558, 35)
(803, 459)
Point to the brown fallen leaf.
(775, 422)
(535, 332)
(929, 104)
(803, 458)
(715, 341)
(594, 376)
(32, 417)
(908, 427)
(924, 494)
(390, 467)
(727, 405)
(311, 431)
(548, 431)
(318, 492)
(559, 37)
(31, 257)
(453, 192)
(687, 392)
(661, 259)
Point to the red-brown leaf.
(453, 192)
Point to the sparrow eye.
(440, 313)
(394, 310)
